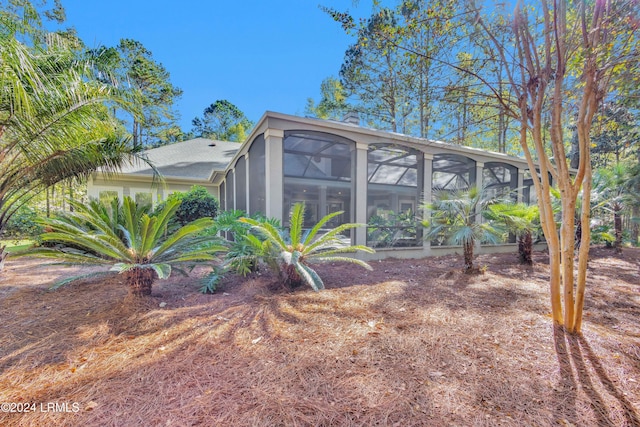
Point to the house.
(374, 177)
(182, 165)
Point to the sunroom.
(374, 177)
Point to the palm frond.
(306, 272)
(296, 221)
(267, 229)
(312, 233)
(331, 234)
(325, 259)
(71, 279)
(183, 233)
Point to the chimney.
(352, 118)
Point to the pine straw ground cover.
(413, 343)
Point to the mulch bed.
(411, 343)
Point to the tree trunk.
(71, 196)
(291, 277)
(140, 281)
(635, 227)
(48, 204)
(3, 256)
(567, 243)
(525, 248)
(617, 225)
(135, 133)
(468, 256)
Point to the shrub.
(245, 246)
(23, 224)
(453, 216)
(291, 251)
(137, 247)
(195, 204)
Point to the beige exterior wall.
(129, 187)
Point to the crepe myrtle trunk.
(140, 281)
(525, 248)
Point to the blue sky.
(259, 55)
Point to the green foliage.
(613, 197)
(68, 133)
(109, 212)
(333, 102)
(23, 224)
(197, 203)
(616, 134)
(603, 234)
(194, 204)
(209, 283)
(26, 19)
(453, 217)
(223, 121)
(291, 251)
(391, 229)
(128, 239)
(376, 74)
(152, 91)
(520, 219)
(245, 246)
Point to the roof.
(195, 159)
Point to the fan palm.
(136, 246)
(54, 120)
(292, 251)
(520, 219)
(612, 193)
(453, 214)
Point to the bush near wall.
(196, 203)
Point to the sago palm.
(137, 247)
(453, 214)
(294, 250)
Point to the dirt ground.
(411, 343)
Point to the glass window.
(241, 184)
(317, 171)
(257, 177)
(500, 179)
(317, 155)
(393, 191)
(223, 196)
(144, 199)
(230, 196)
(529, 195)
(107, 196)
(453, 172)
